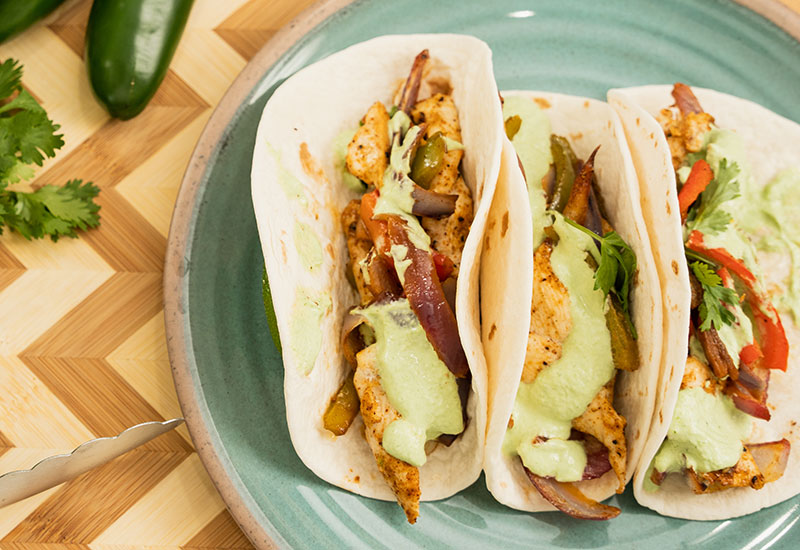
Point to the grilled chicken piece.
(367, 153)
(448, 234)
(551, 320)
(377, 413)
(358, 246)
(604, 423)
(697, 375)
(684, 132)
(744, 473)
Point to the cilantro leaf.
(712, 310)
(616, 268)
(10, 77)
(51, 210)
(709, 217)
(27, 137)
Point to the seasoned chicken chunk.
(684, 132)
(448, 234)
(551, 320)
(378, 413)
(697, 375)
(367, 152)
(358, 246)
(604, 423)
(744, 473)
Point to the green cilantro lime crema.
(308, 246)
(397, 186)
(772, 216)
(340, 143)
(532, 143)
(290, 185)
(304, 330)
(416, 382)
(705, 434)
(562, 391)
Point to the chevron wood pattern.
(82, 346)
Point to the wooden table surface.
(82, 347)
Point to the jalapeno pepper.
(18, 15)
(564, 160)
(428, 160)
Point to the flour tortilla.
(506, 288)
(772, 143)
(313, 107)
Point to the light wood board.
(82, 346)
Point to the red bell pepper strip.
(444, 265)
(722, 257)
(750, 354)
(774, 345)
(376, 228)
(699, 178)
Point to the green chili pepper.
(564, 160)
(18, 15)
(428, 160)
(129, 45)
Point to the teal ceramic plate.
(228, 374)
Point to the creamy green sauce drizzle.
(532, 143)
(291, 186)
(562, 391)
(308, 246)
(705, 434)
(772, 216)
(304, 329)
(340, 143)
(415, 380)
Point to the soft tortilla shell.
(313, 107)
(771, 141)
(506, 287)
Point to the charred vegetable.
(343, 408)
(564, 161)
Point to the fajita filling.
(564, 427)
(405, 235)
(736, 334)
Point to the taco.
(571, 310)
(719, 181)
(372, 178)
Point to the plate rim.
(181, 232)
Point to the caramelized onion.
(685, 99)
(408, 98)
(432, 204)
(351, 340)
(771, 458)
(577, 206)
(568, 498)
(751, 402)
(427, 300)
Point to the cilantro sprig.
(616, 268)
(27, 137)
(712, 309)
(709, 218)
